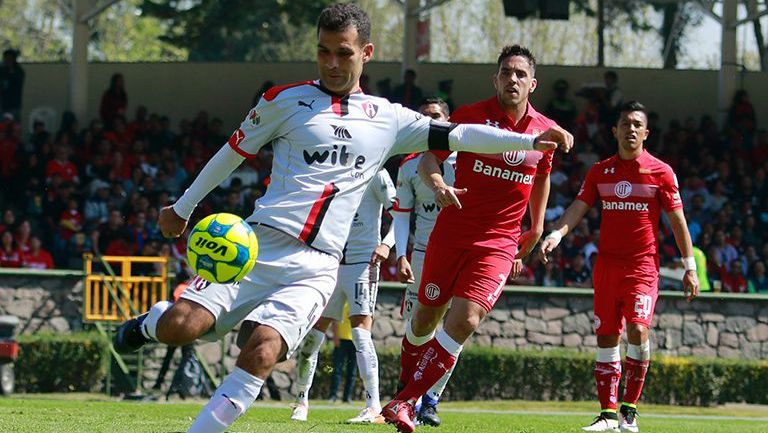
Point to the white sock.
(368, 365)
(437, 389)
(149, 326)
(233, 397)
(413, 339)
(449, 344)
(306, 364)
(608, 354)
(640, 352)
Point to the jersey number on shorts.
(643, 306)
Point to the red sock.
(409, 357)
(607, 378)
(634, 378)
(434, 361)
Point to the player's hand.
(554, 138)
(404, 271)
(380, 254)
(517, 268)
(171, 224)
(447, 195)
(548, 245)
(527, 243)
(690, 285)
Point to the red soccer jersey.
(498, 186)
(633, 193)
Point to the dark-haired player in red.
(475, 242)
(634, 188)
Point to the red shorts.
(476, 275)
(624, 292)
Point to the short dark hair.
(435, 100)
(516, 50)
(340, 16)
(631, 106)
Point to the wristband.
(556, 236)
(689, 263)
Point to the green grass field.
(93, 413)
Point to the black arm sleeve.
(438, 135)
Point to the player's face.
(434, 111)
(340, 59)
(514, 81)
(631, 130)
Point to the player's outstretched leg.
(240, 388)
(306, 365)
(176, 324)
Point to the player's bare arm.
(429, 171)
(570, 218)
(171, 224)
(537, 204)
(380, 254)
(684, 244)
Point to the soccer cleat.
(299, 412)
(628, 419)
(399, 413)
(428, 416)
(606, 421)
(128, 337)
(368, 415)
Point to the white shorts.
(357, 284)
(287, 289)
(412, 290)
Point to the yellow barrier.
(117, 295)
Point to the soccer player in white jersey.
(415, 197)
(357, 285)
(329, 141)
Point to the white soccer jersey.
(326, 150)
(415, 196)
(365, 233)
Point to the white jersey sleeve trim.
(218, 168)
(487, 139)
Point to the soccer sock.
(368, 365)
(409, 353)
(607, 377)
(437, 358)
(636, 367)
(149, 325)
(432, 397)
(306, 364)
(234, 396)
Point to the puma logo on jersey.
(304, 104)
(335, 156)
(341, 132)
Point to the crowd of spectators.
(97, 188)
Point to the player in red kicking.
(634, 187)
(473, 246)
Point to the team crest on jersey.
(432, 291)
(514, 157)
(237, 137)
(254, 118)
(623, 189)
(597, 322)
(370, 110)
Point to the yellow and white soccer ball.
(222, 248)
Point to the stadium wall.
(226, 90)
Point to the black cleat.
(428, 415)
(128, 337)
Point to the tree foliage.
(233, 30)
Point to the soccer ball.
(222, 248)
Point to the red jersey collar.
(530, 114)
(643, 157)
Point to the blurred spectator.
(758, 282)
(97, 206)
(577, 275)
(724, 252)
(78, 245)
(24, 236)
(8, 222)
(701, 269)
(741, 116)
(11, 84)
(551, 275)
(733, 279)
(37, 257)
(109, 232)
(384, 88)
(114, 101)
(10, 255)
(562, 109)
(613, 94)
(62, 166)
(408, 94)
(444, 91)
